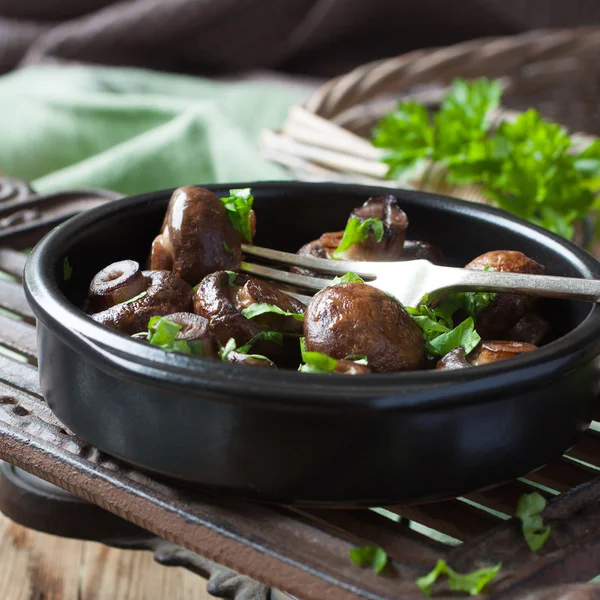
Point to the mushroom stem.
(116, 283)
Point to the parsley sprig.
(357, 231)
(470, 583)
(529, 508)
(369, 556)
(239, 206)
(260, 308)
(528, 167)
(162, 333)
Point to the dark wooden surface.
(305, 551)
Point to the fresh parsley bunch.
(528, 167)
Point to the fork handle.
(569, 288)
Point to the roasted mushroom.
(222, 296)
(486, 352)
(162, 293)
(349, 367)
(197, 237)
(415, 249)
(238, 358)
(506, 309)
(195, 328)
(531, 328)
(116, 283)
(358, 319)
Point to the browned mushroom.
(358, 319)
(116, 283)
(485, 353)
(162, 293)
(238, 358)
(222, 296)
(506, 309)
(415, 249)
(195, 328)
(349, 367)
(531, 328)
(197, 237)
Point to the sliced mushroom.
(238, 358)
(195, 328)
(356, 318)
(531, 328)
(485, 353)
(506, 309)
(116, 283)
(164, 294)
(221, 302)
(197, 237)
(349, 367)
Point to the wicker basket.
(555, 71)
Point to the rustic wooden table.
(38, 566)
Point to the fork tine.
(339, 267)
(301, 281)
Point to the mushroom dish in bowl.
(158, 349)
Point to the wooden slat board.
(302, 551)
(35, 565)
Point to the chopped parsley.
(529, 508)
(232, 275)
(239, 206)
(138, 297)
(470, 583)
(347, 278)
(227, 349)
(263, 336)
(67, 269)
(162, 333)
(356, 231)
(260, 308)
(369, 556)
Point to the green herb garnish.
(356, 231)
(226, 247)
(526, 167)
(359, 359)
(263, 336)
(162, 333)
(316, 362)
(67, 269)
(232, 275)
(462, 336)
(470, 583)
(227, 348)
(529, 508)
(260, 308)
(138, 297)
(347, 278)
(369, 556)
(239, 207)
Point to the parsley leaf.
(162, 333)
(462, 336)
(67, 269)
(527, 167)
(261, 308)
(232, 277)
(369, 556)
(266, 336)
(529, 508)
(471, 583)
(356, 231)
(239, 207)
(138, 297)
(227, 348)
(347, 278)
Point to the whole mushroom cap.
(197, 237)
(506, 309)
(116, 283)
(220, 299)
(165, 294)
(356, 318)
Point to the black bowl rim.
(288, 389)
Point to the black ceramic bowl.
(295, 437)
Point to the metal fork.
(410, 281)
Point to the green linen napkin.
(134, 131)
